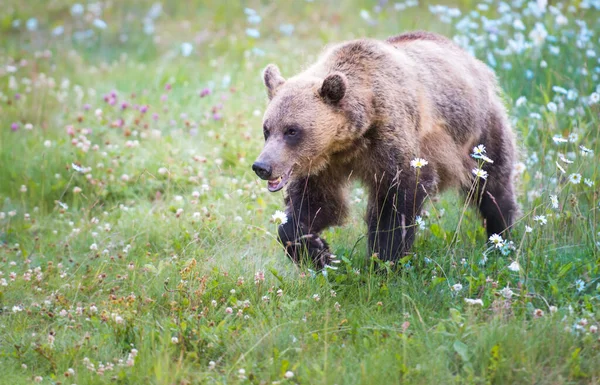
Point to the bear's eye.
(291, 131)
(292, 134)
(266, 132)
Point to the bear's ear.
(334, 87)
(273, 79)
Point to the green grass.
(118, 266)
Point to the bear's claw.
(313, 246)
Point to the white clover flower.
(457, 287)
(507, 292)
(477, 301)
(520, 167)
(521, 101)
(496, 240)
(279, 217)
(174, 340)
(514, 266)
(418, 163)
(479, 173)
(575, 178)
(289, 374)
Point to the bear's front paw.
(312, 247)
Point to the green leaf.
(436, 230)
(462, 350)
(456, 316)
(276, 274)
(565, 269)
(285, 364)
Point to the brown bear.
(364, 111)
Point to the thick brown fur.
(364, 110)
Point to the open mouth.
(277, 184)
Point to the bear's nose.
(263, 170)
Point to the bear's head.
(307, 120)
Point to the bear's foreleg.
(313, 204)
(391, 216)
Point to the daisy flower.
(479, 173)
(575, 178)
(279, 217)
(541, 219)
(588, 182)
(479, 150)
(496, 240)
(586, 151)
(418, 163)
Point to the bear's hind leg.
(313, 204)
(498, 203)
(498, 206)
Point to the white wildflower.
(279, 217)
(477, 301)
(418, 163)
(575, 178)
(514, 266)
(479, 173)
(507, 293)
(496, 240)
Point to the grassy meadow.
(138, 247)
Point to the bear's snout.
(263, 170)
